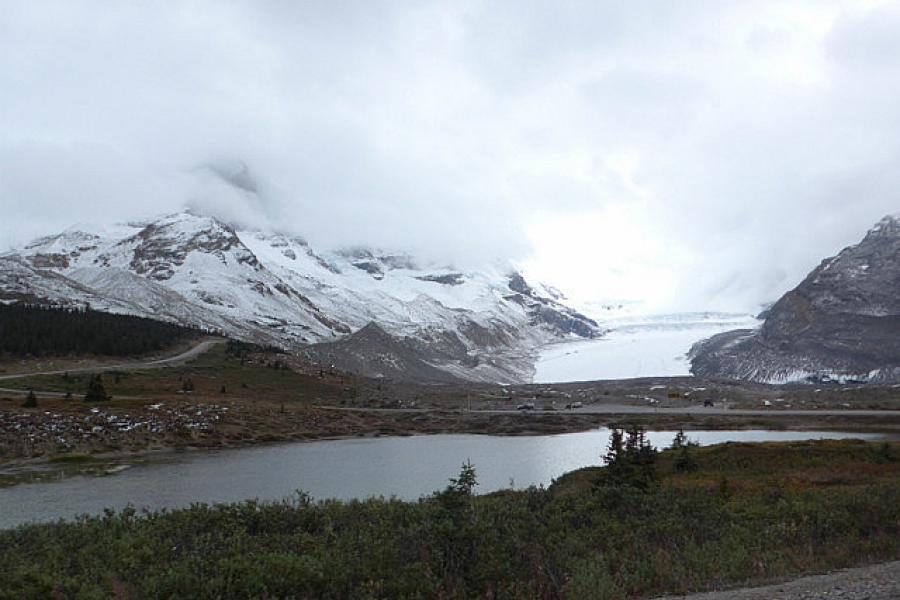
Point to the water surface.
(406, 467)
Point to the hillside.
(842, 323)
(46, 331)
(271, 288)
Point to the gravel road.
(877, 582)
(185, 356)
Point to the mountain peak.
(888, 226)
(372, 330)
(270, 288)
(840, 323)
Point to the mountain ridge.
(274, 288)
(841, 323)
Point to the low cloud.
(692, 155)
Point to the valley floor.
(741, 514)
(213, 397)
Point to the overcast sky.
(693, 154)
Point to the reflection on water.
(406, 467)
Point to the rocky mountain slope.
(273, 288)
(842, 323)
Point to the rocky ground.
(841, 323)
(876, 582)
(237, 400)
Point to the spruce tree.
(684, 461)
(30, 400)
(466, 482)
(615, 451)
(459, 497)
(630, 458)
(95, 390)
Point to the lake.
(406, 467)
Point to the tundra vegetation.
(641, 524)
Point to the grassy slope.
(749, 512)
(263, 404)
(209, 372)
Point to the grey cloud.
(867, 41)
(742, 141)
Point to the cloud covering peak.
(693, 154)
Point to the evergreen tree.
(466, 482)
(456, 532)
(645, 453)
(30, 400)
(615, 451)
(679, 441)
(28, 330)
(684, 461)
(95, 390)
(630, 459)
(643, 473)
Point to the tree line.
(29, 330)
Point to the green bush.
(576, 539)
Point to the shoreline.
(39, 469)
(734, 497)
(246, 400)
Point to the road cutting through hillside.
(182, 357)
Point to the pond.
(406, 467)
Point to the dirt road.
(876, 582)
(168, 361)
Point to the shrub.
(30, 400)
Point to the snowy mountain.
(274, 288)
(842, 323)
